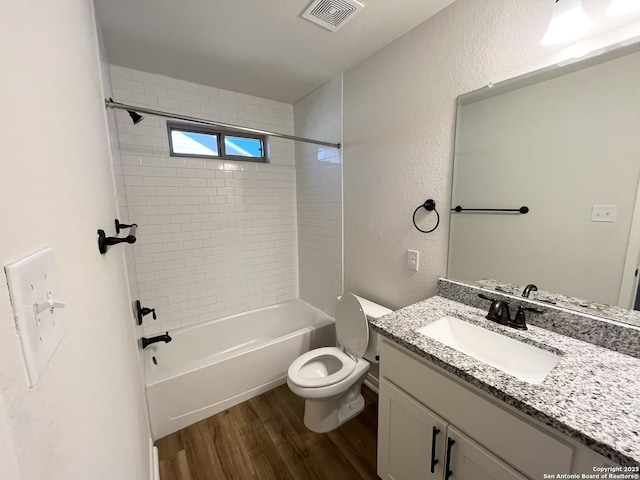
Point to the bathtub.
(212, 366)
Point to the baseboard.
(155, 463)
(372, 382)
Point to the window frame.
(220, 134)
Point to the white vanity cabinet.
(423, 407)
(416, 444)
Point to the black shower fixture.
(137, 118)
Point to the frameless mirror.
(565, 143)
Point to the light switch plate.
(603, 213)
(33, 287)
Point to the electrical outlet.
(603, 213)
(413, 258)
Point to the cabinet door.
(467, 460)
(411, 438)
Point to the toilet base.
(324, 415)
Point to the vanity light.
(568, 22)
(622, 7)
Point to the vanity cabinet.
(415, 444)
(420, 402)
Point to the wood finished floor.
(264, 438)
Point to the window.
(190, 140)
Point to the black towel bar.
(522, 210)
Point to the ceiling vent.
(332, 14)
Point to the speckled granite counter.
(592, 395)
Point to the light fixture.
(622, 7)
(568, 22)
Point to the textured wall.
(215, 237)
(319, 196)
(86, 418)
(399, 120)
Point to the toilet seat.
(317, 378)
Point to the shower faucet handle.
(143, 311)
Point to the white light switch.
(37, 309)
(413, 257)
(603, 213)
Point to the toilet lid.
(352, 328)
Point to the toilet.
(330, 379)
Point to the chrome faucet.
(160, 338)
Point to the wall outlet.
(603, 213)
(413, 259)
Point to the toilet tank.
(372, 310)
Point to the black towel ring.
(428, 206)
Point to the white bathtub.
(212, 366)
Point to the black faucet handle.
(484, 297)
(519, 321)
(531, 309)
(143, 311)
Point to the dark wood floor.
(264, 438)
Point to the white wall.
(8, 458)
(559, 147)
(214, 237)
(399, 120)
(86, 418)
(319, 196)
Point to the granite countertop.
(592, 395)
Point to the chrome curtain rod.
(122, 106)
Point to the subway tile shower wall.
(215, 237)
(319, 193)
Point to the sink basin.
(523, 361)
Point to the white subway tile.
(220, 235)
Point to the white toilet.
(330, 378)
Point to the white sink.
(523, 361)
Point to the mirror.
(564, 142)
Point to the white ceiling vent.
(332, 14)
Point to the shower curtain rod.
(122, 106)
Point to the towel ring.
(429, 205)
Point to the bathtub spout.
(160, 338)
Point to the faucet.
(499, 312)
(528, 289)
(160, 338)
